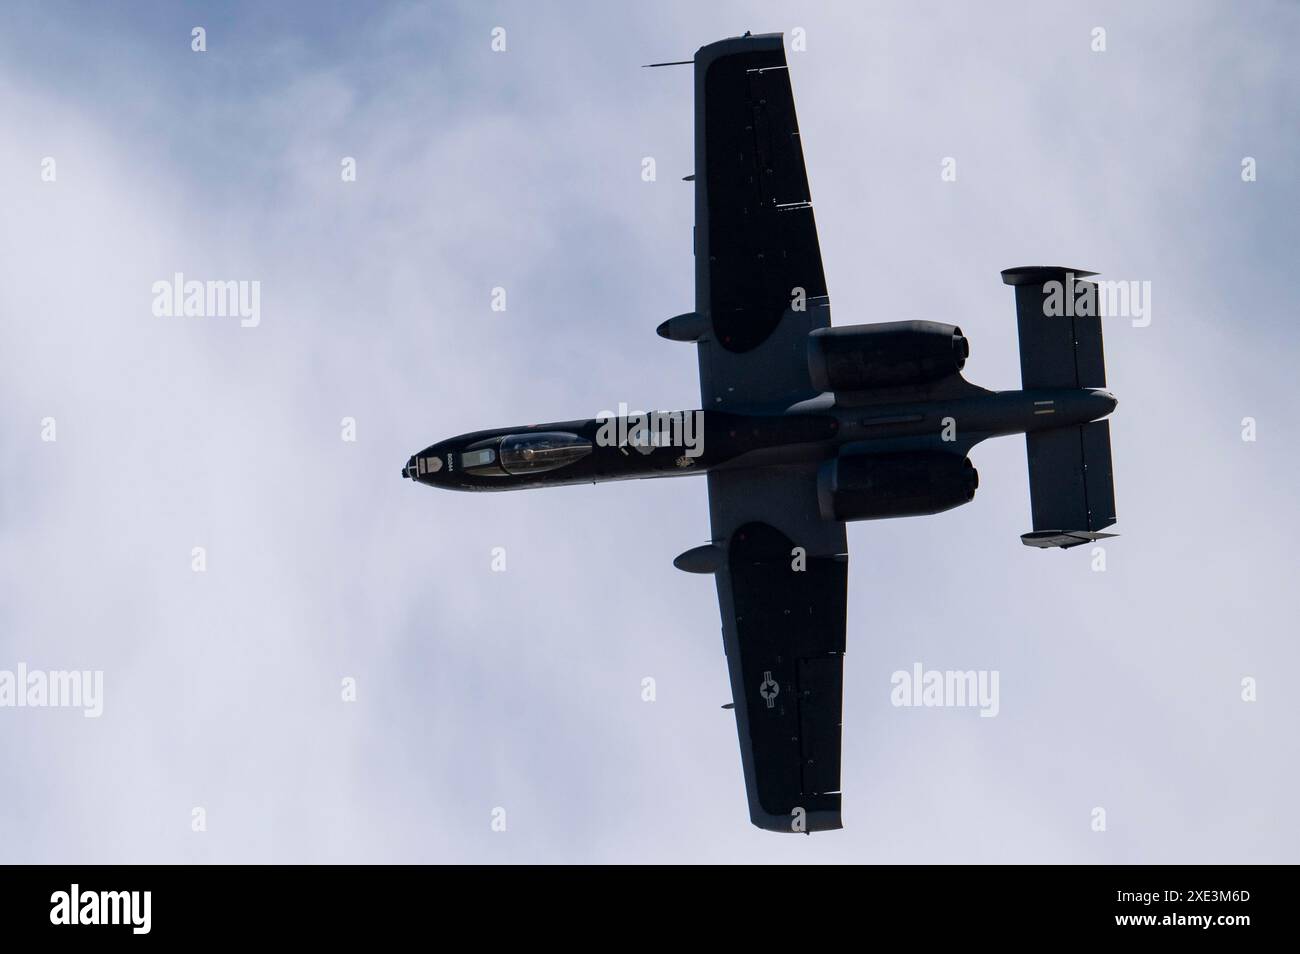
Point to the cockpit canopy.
(543, 450)
(523, 454)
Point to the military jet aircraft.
(806, 426)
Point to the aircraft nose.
(409, 469)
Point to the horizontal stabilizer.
(1071, 489)
(1060, 330)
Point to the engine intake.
(889, 354)
(873, 486)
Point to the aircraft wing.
(783, 619)
(759, 285)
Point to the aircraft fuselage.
(690, 442)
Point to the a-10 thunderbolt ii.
(806, 426)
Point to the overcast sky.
(522, 689)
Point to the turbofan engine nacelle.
(885, 355)
(873, 486)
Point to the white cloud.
(522, 689)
